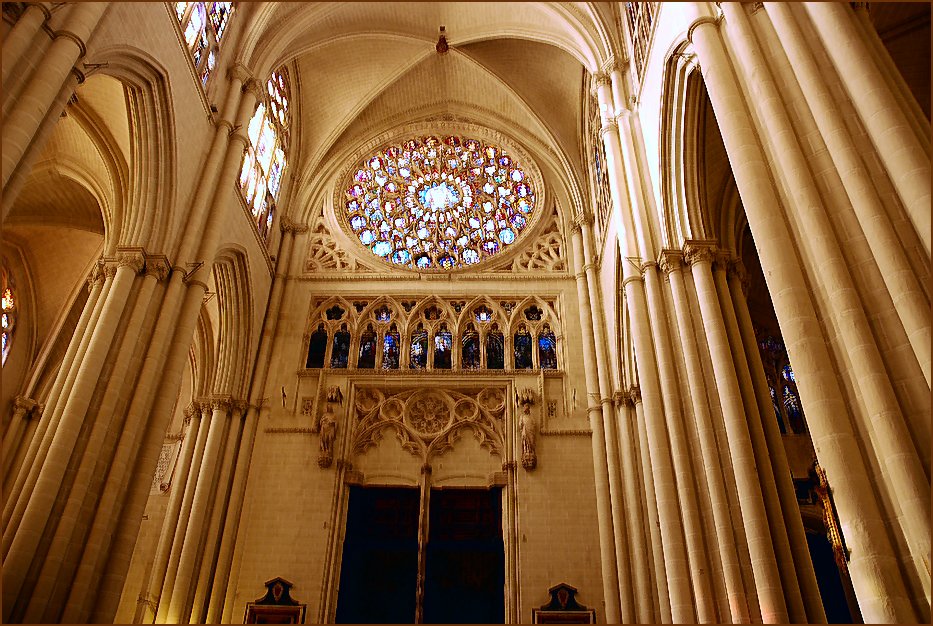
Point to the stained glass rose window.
(438, 203)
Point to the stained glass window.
(391, 350)
(203, 25)
(547, 349)
(317, 347)
(443, 343)
(469, 350)
(8, 314)
(438, 204)
(418, 357)
(367, 358)
(788, 374)
(340, 354)
(495, 349)
(523, 349)
(264, 159)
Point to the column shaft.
(42, 499)
(32, 106)
(167, 583)
(754, 517)
(908, 297)
(600, 463)
(21, 38)
(803, 563)
(725, 541)
(693, 529)
(904, 158)
(659, 570)
(172, 512)
(881, 590)
(627, 601)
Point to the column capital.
(722, 259)
(67, 34)
(22, 406)
(602, 78)
(204, 406)
(254, 87)
(157, 266)
(634, 394)
(134, 258)
(635, 278)
(620, 398)
(670, 260)
(96, 276)
(699, 252)
(286, 225)
(221, 403)
(609, 125)
(240, 73)
(736, 271)
(647, 265)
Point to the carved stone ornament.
(327, 426)
(529, 428)
(428, 422)
(694, 254)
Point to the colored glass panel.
(495, 351)
(340, 354)
(523, 350)
(367, 359)
(547, 351)
(391, 351)
(443, 343)
(316, 348)
(418, 357)
(431, 203)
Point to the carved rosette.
(428, 422)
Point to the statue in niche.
(328, 428)
(526, 398)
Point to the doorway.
(462, 555)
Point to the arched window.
(391, 349)
(367, 358)
(340, 354)
(418, 358)
(9, 312)
(495, 349)
(203, 25)
(317, 347)
(469, 349)
(523, 349)
(265, 158)
(547, 349)
(443, 345)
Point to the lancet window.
(782, 384)
(8, 312)
(265, 157)
(602, 201)
(203, 25)
(640, 17)
(434, 335)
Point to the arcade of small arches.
(434, 334)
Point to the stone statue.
(328, 434)
(526, 398)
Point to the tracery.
(433, 203)
(203, 25)
(265, 158)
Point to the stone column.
(638, 546)
(39, 445)
(34, 103)
(885, 422)
(725, 541)
(627, 600)
(874, 566)
(178, 611)
(779, 539)
(754, 517)
(654, 526)
(217, 611)
(600, 463)
(27, 536)
(218, 512)
(903, 156)
(22, 37)
(170, 521)
(96, 453)
(906, 292)
(22, 408)
(693, 527)
(790, 510)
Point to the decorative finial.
(441, 46)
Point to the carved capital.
(254, 87)
(634, 394)
(109, 268)
(205, 407)
(22, 406)
(132, 259)
(619, 397)
(647, 265)
(602, 78)
(609, 125)
(240, 73)
(286, 225)
(221, 404)
(158, 267)
(670, 260)
(698, 253)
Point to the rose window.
(438, 203)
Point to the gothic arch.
(235, 313)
